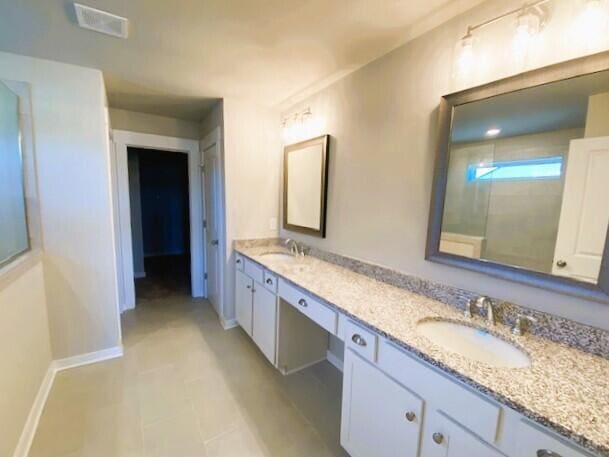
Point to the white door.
(380, 418)
(244, 300)
(444, 438)
(264, 325)
(212, 191)
(584, 216)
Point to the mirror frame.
(553, 73)
(324, 141)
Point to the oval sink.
(278, 256)
(473, 343)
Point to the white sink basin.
(278, 256)
(473, 343)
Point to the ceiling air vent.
(101, 21)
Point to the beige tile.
(161, 394)
(175, 436)
(239, 442)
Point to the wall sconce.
(590, 28)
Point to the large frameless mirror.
(14, 238)
(523, 179)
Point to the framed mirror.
(522, 179)
(305, 186)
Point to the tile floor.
(184, 388)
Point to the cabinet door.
(444, 438)
(380, 418)
(265, 321)
(243, 301)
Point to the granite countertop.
(564, 389)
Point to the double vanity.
(422, 378)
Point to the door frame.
(123, 139)
(215, 137)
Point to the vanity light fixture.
(297, 125)
(530, 19)
(493, 132)
(590, 28)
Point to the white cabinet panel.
(380, 418)
(254, 271)
(444, 438)
(243, 301)
(265, 322)
(321, 314)
(361, 340)
(532, 441)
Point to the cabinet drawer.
(533, 441)
(254, 271)
(270, 281)
(317, 312)
(471, 410)
(239, 262)
(360, 340)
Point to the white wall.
(25, 348)
(73, 163)
(383, 123)
(134, 121)
(252, 155)
(597, 119)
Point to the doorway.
(160, 222)
(164, 264)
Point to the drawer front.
(239, 262)
(533, 441)
(254, 271)
(324, 316)
(361, 340)
(270, 281)
(471, 410)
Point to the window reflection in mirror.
(13, 222)
(528, 178)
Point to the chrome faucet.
(292, 246)
(483, 302)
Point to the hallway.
(180, 391)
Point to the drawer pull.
(248, 286)
(302, 302)
(410, 416)
(269, 281)
(438, 438)
(238, 260)
(546, 453)
(357, 339)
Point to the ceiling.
(182, 55)
(554, 106)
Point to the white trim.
(124, 139)
(31, 424)
(86, 359)
(334, 360)
(227, 324)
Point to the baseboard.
(86, 359)
(139, 274)
(31, 424)
(228, 324)
(285, 372)
(334, 360)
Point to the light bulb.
(591, 25)
(528, 25)
(465, 56)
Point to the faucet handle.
(468, 307)
(518, 327)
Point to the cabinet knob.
(410, 416)
(302, 302)
(248, 286)
(561, 264)
(438, 438)
(546, 453)
(357, 339)
(269, 281)
(238, 260)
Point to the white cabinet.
(380, 418)
(533, 441)
(264, 326)
(244, 300)
(444, 438)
